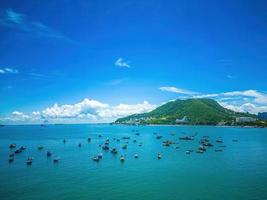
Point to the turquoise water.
(238, 172)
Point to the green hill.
(196, 111)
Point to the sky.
(95, 61)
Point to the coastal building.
(181, 121)
(245, 119)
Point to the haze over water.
(238, 172)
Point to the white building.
(245, 119)
(181, 121)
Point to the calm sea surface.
(238, 172)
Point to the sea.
(234, 169)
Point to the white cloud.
(87, 106)
(88, 110)
(177, 90)
(258, 97)
(120, 62)
(19, 116)
(7, 70)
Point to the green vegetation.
(197, 111)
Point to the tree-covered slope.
(197, 111)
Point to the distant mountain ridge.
(196, 111)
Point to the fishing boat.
(105, 147)
(187, 152)
(207, 144)
(114, 151)
(200, 151)
(219, 140)
(136, 155)
(158, 136)
(29, 160)
(56, 159)
(201, 148)
(11, 155)
(12, 146)
(122, 158)
(159, 156)
(64, 141)
(40, 147)
(96, 158)
(48, 154)
(186, 138)
(18, 151)
(89, 139)
(124, 146)
(22, 148)
(11, 159)
(100, 155)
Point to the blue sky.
(94, 61)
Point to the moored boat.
(12, 146)
(122, 158)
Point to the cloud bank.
(88, 110)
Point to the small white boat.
(122, 158)
(56, 159)
(96, 158)
(136, 155)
